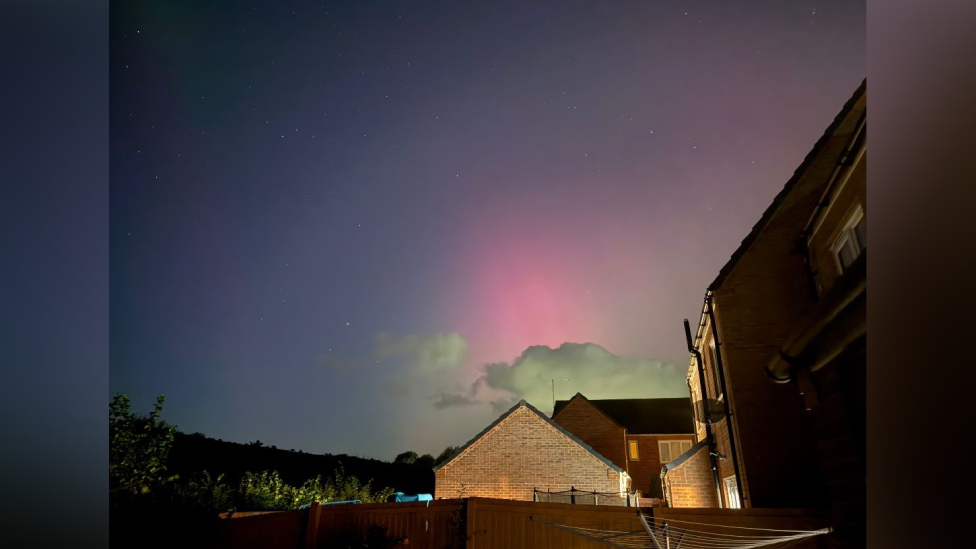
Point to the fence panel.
(505, 524)
(437, 526)
(278, 530)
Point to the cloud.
(586, 368)
(429, 394)
(425, 354)
(502, 405)
(429, 365)
(447, 400)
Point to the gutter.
(855, 148)
(846, 162)
(828, 329)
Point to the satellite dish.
(710, 410)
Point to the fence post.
(312, 527)
(572, 494)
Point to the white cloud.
(421, 365)
(589, 369)
(433, 397)
(434, 354)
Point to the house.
(524, 451)
(778, 359)
(638, 435)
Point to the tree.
(138, 448)
(426, 461)
(406, 457)
(447, 454)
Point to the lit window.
(853, 240)
(732, 493)
(671, 449)
(633, 449)
(714, 351)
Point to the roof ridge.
(773, 207)
(525, 404)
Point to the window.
(632, 444)
(732, 493)
(671, 449)
(853, 240)
(714, 355)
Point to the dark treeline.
(196, 452)
(166, 488)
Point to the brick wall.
(593, 427)
(691, 483)
(694, 389)
(720, 429)
(524, 452)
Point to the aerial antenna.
(554, 391)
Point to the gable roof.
(781, 196)
(562, 404)
(644, 416)
(523, 404)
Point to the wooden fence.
(282, 530)
(481, 523)
(496, 523)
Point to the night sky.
(369, 227)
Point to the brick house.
(637, 435)
(524, 450)
(778, 360)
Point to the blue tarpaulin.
(400, 496)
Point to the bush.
(138, 448)
(204, 493)
(267, 491)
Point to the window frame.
(661, 443)
(848, 234)
(713, 354)
(633, 450)
(732, 492)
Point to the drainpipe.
(725, 400)
(705, 419)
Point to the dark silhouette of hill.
(193, 453)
